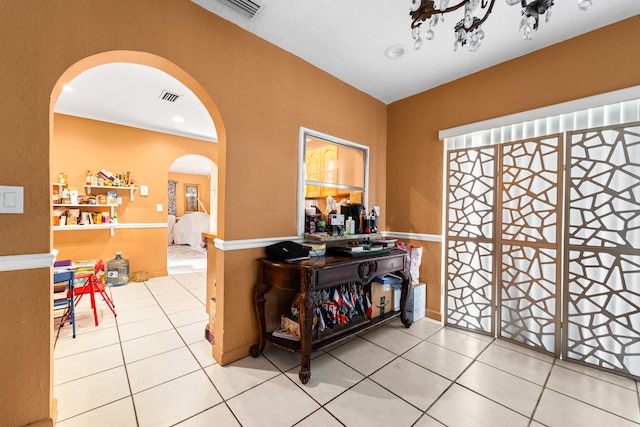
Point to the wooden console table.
(306, 278)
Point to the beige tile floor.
(151, 366)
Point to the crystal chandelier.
(468, 31)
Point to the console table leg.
(304, 375)
(404, 295)
(305, 306)
(259, 290)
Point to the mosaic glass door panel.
(602, 293)
(529, 222)
(469, 293)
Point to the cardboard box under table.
(396, 288)
(381, 299)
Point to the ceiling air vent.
(247, 8)
(169, 96)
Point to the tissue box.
(397, 294)
(417, 302)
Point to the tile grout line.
(365, 376)
(295, 383)
(544, 387)
(200, 367)
(584, 402)
(126, 370)
(396, 357)
(124, 363)
(456, 383)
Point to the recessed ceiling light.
(394, 52)
(67, 88)
(178, 119)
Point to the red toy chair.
(93, 283)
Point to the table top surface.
(330, 260)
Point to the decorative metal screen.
(469, 298)
(529, 223)
(602, 295)
(517, 189)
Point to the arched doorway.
(151, 174)
(143, 220)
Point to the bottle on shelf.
(374, 219)
(366, 227)
(65, 196)
(73, 196)
(350, 226)
(361, 222)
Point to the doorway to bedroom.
(192, 209)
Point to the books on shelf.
(360, 250)
(284, 333)
(106, 175)
(384, 243)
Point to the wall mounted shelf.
(111, 226)
(110, 187)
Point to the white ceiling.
(345, 38)
(130, 94)
(348, 38)
(192, 163)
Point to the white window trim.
(301, 169)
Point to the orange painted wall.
(598, 62)
(81, 144)
(186, 178)
(262, 113)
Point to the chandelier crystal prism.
(468, 31)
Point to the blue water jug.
(118, 271)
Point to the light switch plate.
(144, 190)
(11, 199)
(159, 207)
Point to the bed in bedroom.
(188, 229)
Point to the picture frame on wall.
(191, 196)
